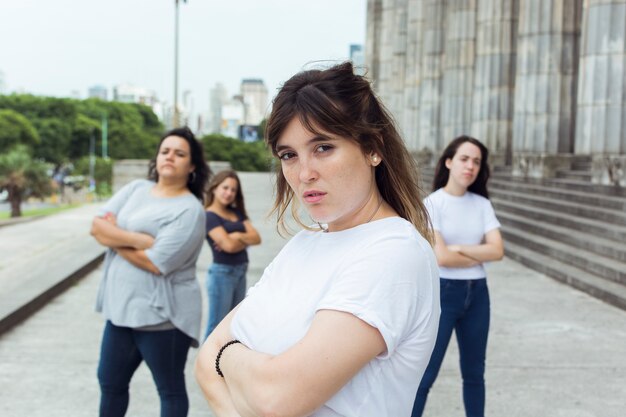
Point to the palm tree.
(22, 177)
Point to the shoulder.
(137, 184)
(478, 200)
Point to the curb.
(31, 306)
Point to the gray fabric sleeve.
(177, 241)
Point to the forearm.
(110, 235)
(483, 253)
(212, 385)
(232, 243)
(452, 259)
(138, 258)
(250, 238)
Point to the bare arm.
(213, 386)
(107, 233)
(138, 258)
(301, 379)
(250, 236)
(227, 242)
(448, 257)
(491, 250)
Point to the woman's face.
(174, 159)
(329, 175)
(226, 192)
(464, 166)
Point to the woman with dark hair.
(149, 294)
(229, 233)
(346, 314)
(467, 235)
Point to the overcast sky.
(55, 47)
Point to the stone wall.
(538, 81)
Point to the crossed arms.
(129, 245)
(293, 383)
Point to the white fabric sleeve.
(380, 287)
(177, 241)
(489, 217)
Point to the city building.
(127, 93)
(217, 97)
(254, 96)
(357, 56)
(233, 113)
(98, 91)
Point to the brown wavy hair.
(237, 204)
(343, 103)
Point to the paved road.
(553, 351)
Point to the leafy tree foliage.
(66, 126)
(22, 177)
(241, 155)
(103, 173)
(16, 129)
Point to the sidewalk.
(553, 351)
(41, 258)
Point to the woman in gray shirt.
(149, 294)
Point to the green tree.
(22, 177)
(16, 129)
(242, 156)
(103, 173)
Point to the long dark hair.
(238, 204)
(340, 102)
(198, 178)
(442, 173)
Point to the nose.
(308, 172)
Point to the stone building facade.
(541, 82)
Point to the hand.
(110, 217)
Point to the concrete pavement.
(553, 351)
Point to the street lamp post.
(176, 117)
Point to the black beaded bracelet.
(219, 355)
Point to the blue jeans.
(165, 353)
(226, 285)
(465, 309)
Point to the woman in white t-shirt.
(466, 236)
(346, 315)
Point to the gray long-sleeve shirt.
(132, 297)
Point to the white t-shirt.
(385, 273)
(461, 221)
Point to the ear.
(448, 163)
(375, 160)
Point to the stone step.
(598, 245)
(597, 200)
(599, 265)
(594, 212)
(566, 184)
(593, 285)
(574, 175)
(576, 223)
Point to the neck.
(454, 189)
(165, 188)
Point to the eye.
(323, 148)
(285, 156)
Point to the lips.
(313, 196)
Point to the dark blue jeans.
(226, 285)
(464, 309)
(165, 353)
